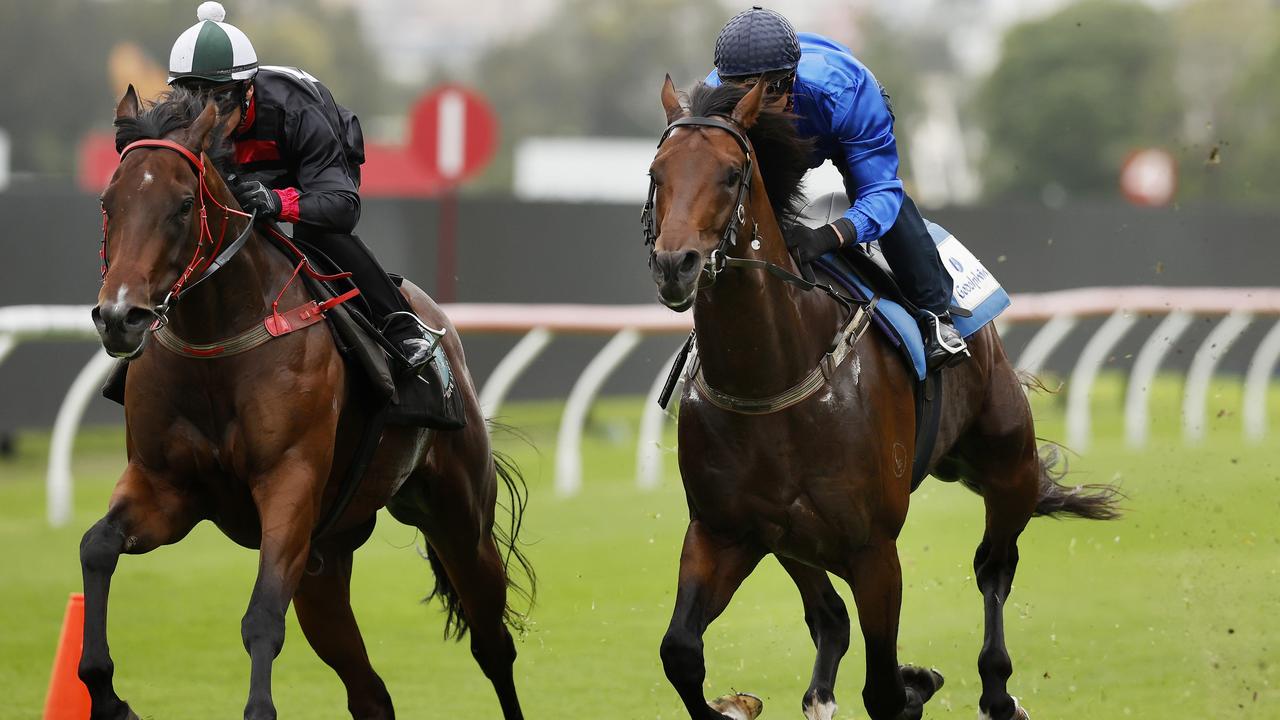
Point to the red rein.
(198, 258)
(277, 323)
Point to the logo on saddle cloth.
(973, 282)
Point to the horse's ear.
(671, 101)
(198, 137)
(748, 108)
(128, 107)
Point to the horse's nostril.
(690, 261)
(138, 316)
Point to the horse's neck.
(758, 335)
(233, 299)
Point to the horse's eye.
(186, 206)
(733, 177)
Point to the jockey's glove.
(256, 197)
(813, 243)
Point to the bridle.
(210, 255)
(717, 260)
(720, 259)
(857, 319)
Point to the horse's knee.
(374, 705)
(994, 661)
(682, 660)
(262, 627)
(829, 621)
(101, 546)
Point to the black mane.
(782, 154)
(173, 111)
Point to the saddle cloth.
(410, 400)
(976, 289)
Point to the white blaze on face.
(147, 179)
(119, 303)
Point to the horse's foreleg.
(711, 570)
(287, 510)
(891, 692)
(323, 605)
(144, 515)
(828, 621)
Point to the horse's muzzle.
(123, 328)
(676, 275)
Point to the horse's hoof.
(819, 710)
(740, 706)
(924, 682)
(1019, 712)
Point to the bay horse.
(821, 481)
(258, 442)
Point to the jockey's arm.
(327, 196)
(861, 121)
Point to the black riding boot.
(916, 265)
(392, 313)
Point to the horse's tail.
(1091, 502)
(521, 579)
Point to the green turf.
(1167, 614)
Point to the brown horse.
(259, 442)
(823, 484)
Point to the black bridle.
(719, 259)
(729, 237)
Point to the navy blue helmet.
(755, 42)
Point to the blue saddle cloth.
(976, 290)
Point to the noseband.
(206, 263)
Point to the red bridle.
(204, 262)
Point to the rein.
(859, 315)
(217, 257)
(275, 324)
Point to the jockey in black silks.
(299, 154)
(839, 104)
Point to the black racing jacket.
(301, 143)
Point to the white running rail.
(1058, 314)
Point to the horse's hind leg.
(457, 521)
(828, 621)
(1004, 467)
(323, 605)
(1009, 489)
(891, 692)
(145, 513)
(711, 570)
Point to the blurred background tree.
(1073, 94)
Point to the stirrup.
(956, 351)
(426, 335)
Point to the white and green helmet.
(212, 50)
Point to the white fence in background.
(1058, 313)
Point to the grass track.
(1169, 613)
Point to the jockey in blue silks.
(841, 106)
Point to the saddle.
(431, 400)
(863, 272)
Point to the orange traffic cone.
(68, 699)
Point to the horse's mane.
(173, 111)
(783, 155)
